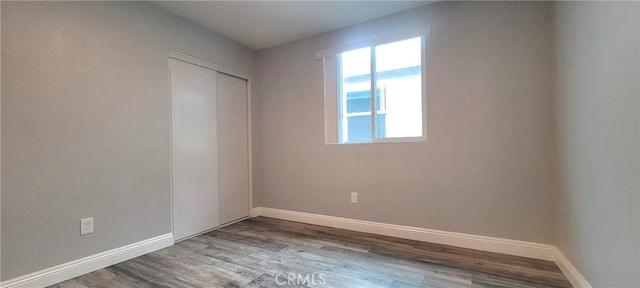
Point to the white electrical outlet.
(86, 226)
(354, 197)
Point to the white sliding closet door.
(194, 147)
(233, 160)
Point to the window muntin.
(397, 88)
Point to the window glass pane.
(359, 128)
(355, 96)
(356, 62)
(397, 55)
(381, 128)
(359, 101)
(399, 82)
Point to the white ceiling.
(263, 24)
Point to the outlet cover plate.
(86, 226)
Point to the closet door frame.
(225, 70)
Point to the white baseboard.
(484, 243)
(255, 212)
(573, 275)
(69, 270)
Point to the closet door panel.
(233, 160)
(194, 148)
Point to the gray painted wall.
(598, 85)
(487, 165)
(85, 124)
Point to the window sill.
(385, 141)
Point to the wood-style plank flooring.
(265, 252)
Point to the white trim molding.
(573, 275)
(484, 243)
(255, 212)
(69, 270)
(206, 64)
(477, 242)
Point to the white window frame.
(331, 88)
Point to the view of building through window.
(397, 92)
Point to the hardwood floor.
(265, 252)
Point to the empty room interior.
(320, 144)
